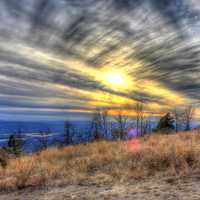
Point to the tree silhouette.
(166, 123)
(15, 145)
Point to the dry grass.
(105, 161)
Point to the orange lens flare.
(134, 145)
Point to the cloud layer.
(54, 55)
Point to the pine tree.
(15, 145)
(166, 123)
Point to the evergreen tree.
(15, 145)
(166, 123)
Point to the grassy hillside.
(105, 162)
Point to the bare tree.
(96, 124)
(188, 116)
(178, 117)
(21, 137)
(68, 132)
(100, 123)
(146, 126)
(122, 119)
(43, 139)
(140, 118)
(104, 121)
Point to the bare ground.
(171, 188)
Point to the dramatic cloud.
(64, 58)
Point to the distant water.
(32, 132)
(9, 127)
(81, 132)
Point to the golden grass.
(105, 161)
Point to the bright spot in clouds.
(66, 58)
(115, 78)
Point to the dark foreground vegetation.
(105, 162)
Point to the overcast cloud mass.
(55, 56)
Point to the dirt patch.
(171, 188)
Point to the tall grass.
(105, 161)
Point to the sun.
(115, 78)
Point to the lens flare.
(133, 145)
(132, 133)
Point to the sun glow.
(116, 80)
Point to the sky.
(65, 58)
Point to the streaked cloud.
(56, 55)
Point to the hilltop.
(153, 167)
